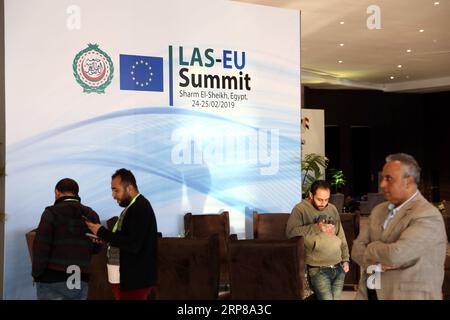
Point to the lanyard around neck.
(123, 213)
(71, 199)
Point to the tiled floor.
(348, 295)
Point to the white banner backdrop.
(200, 99)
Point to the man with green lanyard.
(61, 250)
(132, 250)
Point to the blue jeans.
(326, 282)
(59, 291)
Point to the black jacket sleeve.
(42, 244)
(135, 228)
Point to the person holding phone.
(132, 249)
(61, 250)
(327, 254)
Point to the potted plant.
(313, 168)
(337, 179)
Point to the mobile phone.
(91, 235)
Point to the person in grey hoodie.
(327, 254)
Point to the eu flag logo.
(141, 73)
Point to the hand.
(346, 266)
(327, 228)
(97, 241)
(93, 226)
(331, 231)
(388, 268)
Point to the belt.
(330, 266)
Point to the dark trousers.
(372, 294)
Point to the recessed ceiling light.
(340, 61)
(399, 66)
(436, 3)
(421, 30)
(342, 22)
(341, 44)
(408, 50)
(392, 77)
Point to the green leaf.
(312, 167)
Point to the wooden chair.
(188, 268)
(111, 222)
(373, 199)
(201, 226)
(267, 269)
(338, 200)
(29, 236)
(269, 226)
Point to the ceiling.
(373, 58)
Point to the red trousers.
(136, 294)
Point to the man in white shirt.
(405, 242)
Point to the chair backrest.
(375, 199)
(111, 222)
(269, 226)
(350, 223)
(202, 226)
(188, 268)
(338, 200)
(30, 239)
(267, 269)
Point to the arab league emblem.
(93, 69)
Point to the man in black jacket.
(61, 250)
(132, 254)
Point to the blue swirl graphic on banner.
(183, 161)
